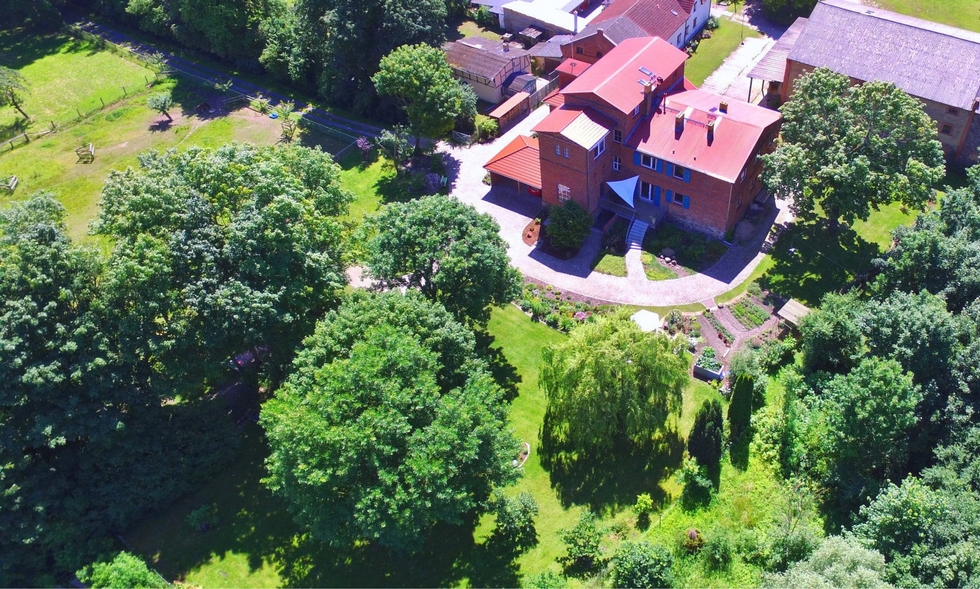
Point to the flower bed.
(723, 334)
(548, 306)
(708, 366)
(749, 314)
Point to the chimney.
(711, 131)
(599, 31)
(723, 107)
(679, 122)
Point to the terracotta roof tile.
(518, 160)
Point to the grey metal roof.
(551, 48)
(772, 66)
(925, 59)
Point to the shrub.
(697, 485)
(643, 565)
(486, 128)
(125, 570)
(203, 518)
(740, 409)
(775, 353)
(704, 444)
(692, 540)
(718, 551)
(709, 359)
(545, 580)
(712, 23)
(484, 17)
(570, 225)
(515, 518)
(582, 541)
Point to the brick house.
(676, 21)
(634, 137)
(937, 64)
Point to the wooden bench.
(9, 184)
(86, 154)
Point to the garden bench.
(86, 154)
(9, 184)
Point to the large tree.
(837, 563)
(388, 424)
(447, 250)
(219, 252)
(84, 446)
(610, 381)
(420, 79)
(847, 150)
(704, 443)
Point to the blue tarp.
(625, 189)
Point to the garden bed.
(693, 251)
(532, 232)
(750, 314)
(554, 309)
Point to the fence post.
(79, 112)
(52, 125)
(102, 101)
(124, 91)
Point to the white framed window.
(566, 153)
(646, 190)
(564, 193)
(617, 163)
(558, 150)
(636, 110)
(648, 161)
(678, 198)
(599, 148)
(617, 136)
(679, 171)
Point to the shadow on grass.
(811, 260)
(256, 524)
(503, 372)
(611, 482)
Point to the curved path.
(513, 212)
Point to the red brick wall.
(591, 48)
(580, 171)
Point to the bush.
(515, 519)
(718, 551)
(582, 542)
(740, 409)
(697, 484)
(485, 18)
(125, 570)
(545, 580)
(203, 518)
(775, 353)
(570, 225)
(704, 444)
(643, 565)
(486, 128)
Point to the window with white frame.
(599, 148)
(564, 193)
(648, 161)
(636, 110)
(566, 152)
(679, 171)
(646, 190)
(558, 150)
(617, 136)
(679, 198)
(617, 163)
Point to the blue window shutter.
(687, 202)
(687, 175)
(670, 169)
(636, 158)
(656, 196)
(660, 166)
(670, 196)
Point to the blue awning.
(625, 189)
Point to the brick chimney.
(711, 131)
(723, 107)
(679, 122)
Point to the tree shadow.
(810, 260)
(738, 453)
(611, 482)
(503, 372)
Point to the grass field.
(654, 270)
(65, 74)
(964, 14)
(119, 135)
(711, 52)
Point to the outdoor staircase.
(637, 230)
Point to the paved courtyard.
(514, 211)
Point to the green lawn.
(362, 180)
(964, 14)
(469, 28)
(65, 74)
(654, 270)
(610, 263)
(711, 52)
(119, 134)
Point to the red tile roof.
(735, 135)
(518, 160)
(625, 19)
(585, 126)
(555, 100)
(573, 67)
(614, 77)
